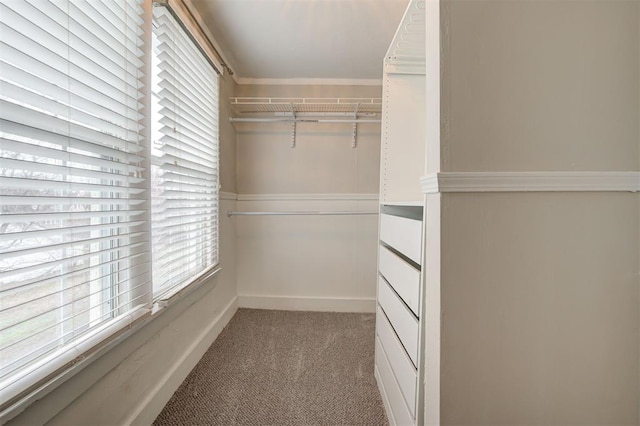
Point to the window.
(98, 216)
(184, 156)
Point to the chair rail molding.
(228, 196)
(546, 181)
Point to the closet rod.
(301, 213)
(301, 120)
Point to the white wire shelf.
(302, 213)
(307, 110)
(323, 106)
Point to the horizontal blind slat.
(170, 138)
(128, 120)
(170, 176)
(137, 260)
(173, 126)
(74, 238)
(185, 158)
(32, 118)
(67, 187)
(126, 237)
(32, 68)
(43, 167)
(19, 149)
(186, 110)
(185, 165)
(60, 109)
(181, 90)
(179, 122)
(42, 20)
(7, 276)
(50, 217)
(39, 137)
(75, 65)
(70, 202)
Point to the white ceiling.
(303, 39)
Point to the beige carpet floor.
(283, 368)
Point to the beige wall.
(540, 85)
(132, 381)
(227, 135)
(307, 262)
(540, 309)
(540, 291)
(322, 161)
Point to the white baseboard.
(152, 405)
(319, 304)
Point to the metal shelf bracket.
(293, 126)
(355, 126)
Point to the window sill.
(174, 294)
(94, 352)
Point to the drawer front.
(399, 412)
(401, 318)
(404, 278)
(403, 369)
(404, 235)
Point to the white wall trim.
(318, 304)
(430, 184)
(228, 196)
(311, 81)
(531, 182)
(152, 405)
(307, 197)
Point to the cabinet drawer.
(404, 278)
(403, 234)
(398, 412)
(403, 369)
(401, 318)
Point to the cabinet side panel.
(403, 137)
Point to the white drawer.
(404, 278)
(404, 235)
(403, 369)
(398, 412)
(401, 318)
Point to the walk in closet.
(389, 212)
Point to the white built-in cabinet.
(400, 319)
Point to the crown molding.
(531, 182)
(307, 197)
(430, 184)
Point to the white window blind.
(184, 158)
(74, 237)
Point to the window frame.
(177, 13)
(59, 367)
